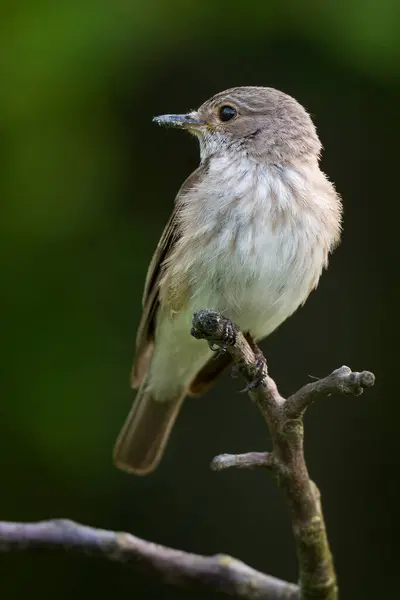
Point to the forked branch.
(285, 423)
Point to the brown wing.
(150, 301)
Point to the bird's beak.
(189, 121)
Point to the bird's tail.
(141, 442)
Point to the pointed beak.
(189, 121)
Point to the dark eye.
(226, 113)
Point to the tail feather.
(141, 442)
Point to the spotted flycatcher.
(249, 236)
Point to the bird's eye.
(227, 113)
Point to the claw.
(259, 375)
(252, 385)
(213, 347)
(230, 331)
(219, 350)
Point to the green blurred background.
(87, 183)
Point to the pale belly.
(257, 285)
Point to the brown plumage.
(249, 236)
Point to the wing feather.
(151, 300)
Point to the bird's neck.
(238, 174)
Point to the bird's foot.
(260, 372)
(228, 338)
(219, 331)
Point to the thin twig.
(250, 460)
(220, 572)
(342, 380)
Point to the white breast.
(262, 242)
(254, 242)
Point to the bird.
(250, 233)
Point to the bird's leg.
(205, 325)
(228, 338)
(260, 365)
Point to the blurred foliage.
(87, 183)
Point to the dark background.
(87, 183)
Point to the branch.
(173, 566)
(341, 380)
(284, 419)
(250, 460)
(286, 461)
